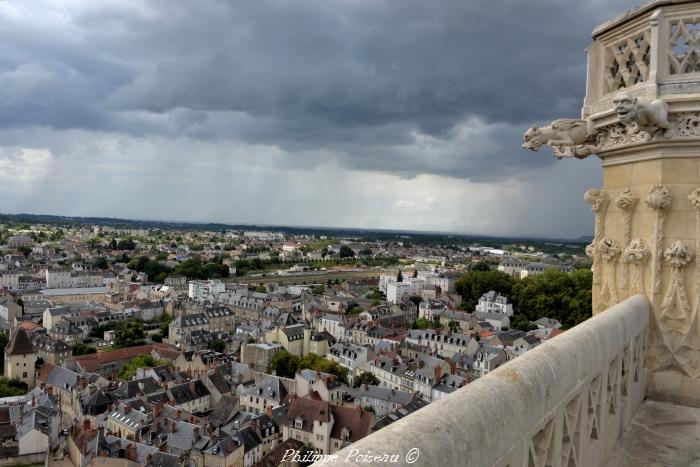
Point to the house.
(127, 422)
(193, 397)
(50, 349)
(382, 400)
(494, 302)
(497, 321)
(324, 385)
(350, 425)
(298, 340)
(443, 343)
(488, 359)
(9, 309)
(20, 357)
(310, 421)
(224, 452)
(270, 392)
(351, 356)
(415, 404)
(259, 355)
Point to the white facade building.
(205, 290)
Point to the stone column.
(641, 117)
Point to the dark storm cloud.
(366, 81)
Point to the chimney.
(438, 373)
(453, 368)
(33, 400)
(131, 453)
(173, 427)
(178, 413)
(421, 363)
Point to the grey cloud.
(402, 87)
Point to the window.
(24, 374)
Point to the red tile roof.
(358, 421)
(310, 410)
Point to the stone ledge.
(488, 420)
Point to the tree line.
(565, 297)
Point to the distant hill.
(366, 234)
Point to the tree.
(261, 288)
(421, 323)
(217, 345)
(129, 334)
(365, 378)
(346, 252)
(100, 263)
(555, 294)
(140, 361)
(3, 343)
(416, 299)
(12, 387)
(25, 250)
(284, 364)
(479, 266)
(453, 325)
(475, 283)
(415, 273)
(399, 277)
(83, 349)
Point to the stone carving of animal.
(650, 116)
(562, 132)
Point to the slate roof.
(129, 389)
(269, 388)
(416, 404)
(187, 392)
(223, 411)
(385, 394)
(19, 344)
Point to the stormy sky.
(401, 114)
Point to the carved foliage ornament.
(636, 253)
(634, 256)
(609, 250)
(659, 197)
(626, 200)
(598, 199)
(675, 308)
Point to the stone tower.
(20, 357)
(641, 117)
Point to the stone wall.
(568, 400)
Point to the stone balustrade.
(564, 403)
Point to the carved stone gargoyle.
(568, 138)
(649, 116)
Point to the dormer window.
(345, 434)
(299, 422)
